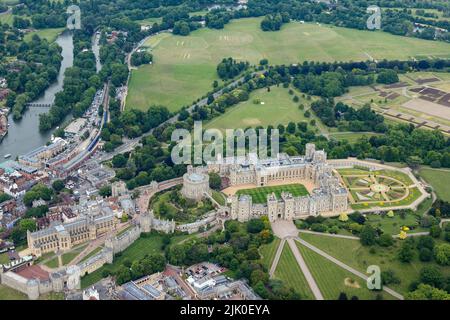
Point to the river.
(23, 135)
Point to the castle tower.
(234, 206)
(146, 220)
(310, 149)
(272, 207)
(320, 156)
(289, 213)
(244, 208)
(74, 275)
(33, 289)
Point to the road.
(346, 267)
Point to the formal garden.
(380, 188)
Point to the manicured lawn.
(352, 253)
(149, 21)
(7, 293)
(185, 67)
(4, 259)
(439, 180)
(67, 257)
(290, 273)
(268, 252)
(259, 195)
(49, 34)
(219, 197)
(331, 278)
(53, 263)
(278, 108)
(145, 245)
(352, 137)
(392, 225)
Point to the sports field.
(185, 67)
(259, 195)
(263, 108)
(438, 178)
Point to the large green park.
(185, 67)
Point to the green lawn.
(67, 257)
(331, 278)
(7, 18)
(352, 137)
(290, 273)
(439, 180)
(141, 247)
(49, 34)
(278, 108)
(6, 293)
(352, 253)
(268, 252)
(148, 21)
(392, 225)
(53, 263)
(4, 259)
(185, 67)
(259, 195)
(219, 197)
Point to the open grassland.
(185, 67)
(352, 253)
(263, 108)
(268, 252)
(332, 279)
(439, 180)
(259, 195)
(290, 273)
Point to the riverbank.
(23, 135)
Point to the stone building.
(65, 236)
(328, 196)
(195, 184)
